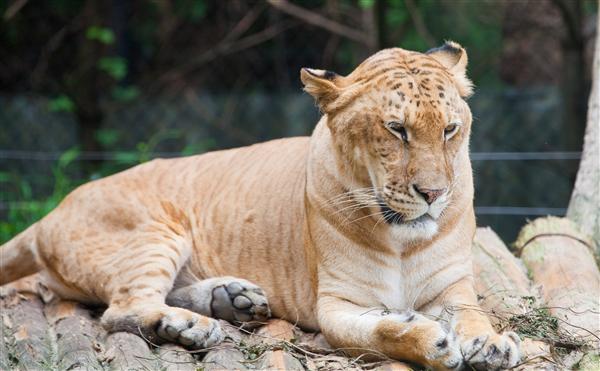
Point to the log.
(584, 206)
(504, 291)
(224, 358)
(279, 360)
(589, 362)
(276, 331)
(6, 363)
(560, 260)
(501, 282)
(126, 351)
(393, 366)
(27, 332)
(176, 358)
(78, 337)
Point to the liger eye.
(450, 130)
(398, 129)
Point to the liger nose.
(430, 195)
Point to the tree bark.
(502, 286)
(26, 329)
(78, 336)
(504, 291)
(573, 83)
(584, 207)
(559, 259)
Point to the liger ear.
(322, 85)
(454, 57)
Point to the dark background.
(88, 88)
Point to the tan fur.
(302, 219)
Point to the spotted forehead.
(408, 84)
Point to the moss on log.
(560, 260)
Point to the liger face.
(415, 136)
(400, 118)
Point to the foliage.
(101, 34)
(115, 67)
(90, 55)
(61, 103)
(29, 209)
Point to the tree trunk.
(83, 82)
(381, 24)
(573, 83)
(584, 207)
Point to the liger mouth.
(390, 215)
(393, 217)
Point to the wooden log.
(501, 282)
(560, 259)
(589, 362)
(276, 331)
(224, 358)
(176, 358)
(26, 332)
(336, 363)
(504, 292)
(279, 360)
(393, 366)
(6, 363)
(126, 351)
(79, 343)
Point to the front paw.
(491, 351)
(445, 353)
(441, 348)
(410, 336)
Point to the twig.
(13, 9)
(244, 24)
(224, 48)
(319, 21)
(556, 235)
(224, 124)
(419, 23)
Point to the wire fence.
(115, 155)
(520, 171)
(475, 156)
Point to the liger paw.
(240, 301)
(492, 351)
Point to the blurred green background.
(89, 88)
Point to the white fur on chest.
(412, 280)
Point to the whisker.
(366, 216)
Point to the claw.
(476, 346)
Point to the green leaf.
(125, 93)
(62, 103)
(5, 177)
(116, 67)
(67, 157)
(101, 34)
(193, 10)
(366, 4)
(127, 157)
(107, 137)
